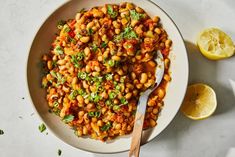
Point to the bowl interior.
(41, 45)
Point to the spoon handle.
(138, 126)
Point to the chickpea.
(124, 21)
(78, 16)
(152, 63)
(100, 58)
(167, 63)
(116, 24)
(80, 99)
(87, 51)
(149, 83)
(90, 24)
(168, 43)
(155, 110)
(84, 130)
(117, 31)
(151, 102)
(143, 78)
(125, 13)
(65, 89)
(135, 92)
(49, 65)
(99, 123)
(115, 101)
(97, 13)
(130, 86)
(167, 77)
(128, 95)
(79, 132)
(152, 123)
(158, 30)
(104, 10)
(85, 85)
(94, 119)
(156, 19)
(85, 39)
(118, 126)
(160, 93)
(86, 101)
(139, 10)
(120, 72)
(129, 6)
(81, 113)
(104, 37)
(88, 68)
(104, 95)
(116, 58)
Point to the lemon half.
(215, 44)
(199, 102)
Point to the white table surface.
(214, 137)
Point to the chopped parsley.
(109, 76)
(60, 24)
(82, 10)
(103, 44)
(1, 132)
(66, 28)
(58, 76)
(94, 47)
(128, 33)
(68, 118)
(42, 127)
(73, 94)
(90, 31)
(94, 114)
(113, 14)
(81, 92)
(116, 107)
(59, 152)
(117, 87)
(108, 102)
(123, 101)
(94, 97)
(58, 50)
(106, 127)
(111, 63)
(112, 95)
(136, 16)
(76, 58)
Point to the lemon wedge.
(215, 44)
(199, 102)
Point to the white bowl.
(175, 92)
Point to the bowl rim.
(51, 130)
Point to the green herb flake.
(94, 97)
(68, 118)
(94, 47)
(109, 76)
(111, 63)
(122, 79)
(82, 10)
(73, 94)
(94, 114)
(103, 45)
(106, 127)
(42, 127)
(66, 28)
(118, 87)
(59, 152)
(60, 24)
(90, 31)
(116, 107)
(108, 103)
(76, 58)
(128, 33)
(113, 14)
(136, 16)
(1, 132)
(112, 95)
(58, 50)
(123, 101)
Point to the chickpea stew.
(99, 64)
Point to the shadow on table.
(206, 71)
